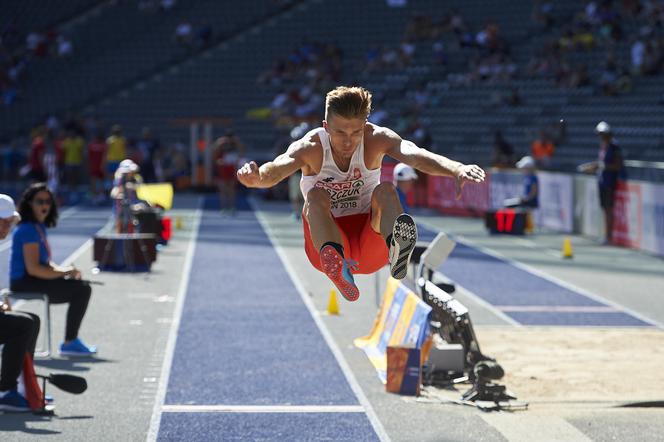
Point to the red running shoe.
(339, 271)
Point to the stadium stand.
(164, 86)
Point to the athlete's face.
(345, 134)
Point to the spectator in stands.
(609, 168)
(637, 55)
(167, 5)
(227, 153)
(65, 47)
(73, 146)
(614, 80)
(18, 330)
(96, 165)
(116, 150)
(33, 270)
(345, 205)
(184, 34)
(503, 152)
(541, 149)
(542, 15)
(403, 178)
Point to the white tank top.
(350, 192)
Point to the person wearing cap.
(530, 183)
(31, 268)
(609, 168)
(9, 217)
(125, 183)
(403, 178)
(18, 330)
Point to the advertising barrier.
(556, 197)
(474, 199)
(504, 185)
(402, 320)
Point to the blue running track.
(523, 296)
(247, 339)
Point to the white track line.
(484, 303)
(558, 308)
(66, 214)
(155, 421)
(516, 427)
(262, 409)
(350, 377)
(553, 279)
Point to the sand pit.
(550, 364)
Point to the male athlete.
(353, 223)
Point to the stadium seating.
(137, 76)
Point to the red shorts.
(361, 243)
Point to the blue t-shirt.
(26, 233)
(528, 182)
(609, 178)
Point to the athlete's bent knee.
(384, 193)
(317, 199)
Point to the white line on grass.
(262, 409)
(350, 377)
(155, 421)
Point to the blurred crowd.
(608, 27)
(78, 157)
(20, 48)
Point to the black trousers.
(60, 291)
(18, 333)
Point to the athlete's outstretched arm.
(431, 163)
(272, 172)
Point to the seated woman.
(31, 268)
(18, 330)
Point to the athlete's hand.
(467, 172)
(248, 174)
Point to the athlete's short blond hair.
(348, 102)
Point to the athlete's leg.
(317, 210)
(327, 238)
(398, 228)
(385, 207)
